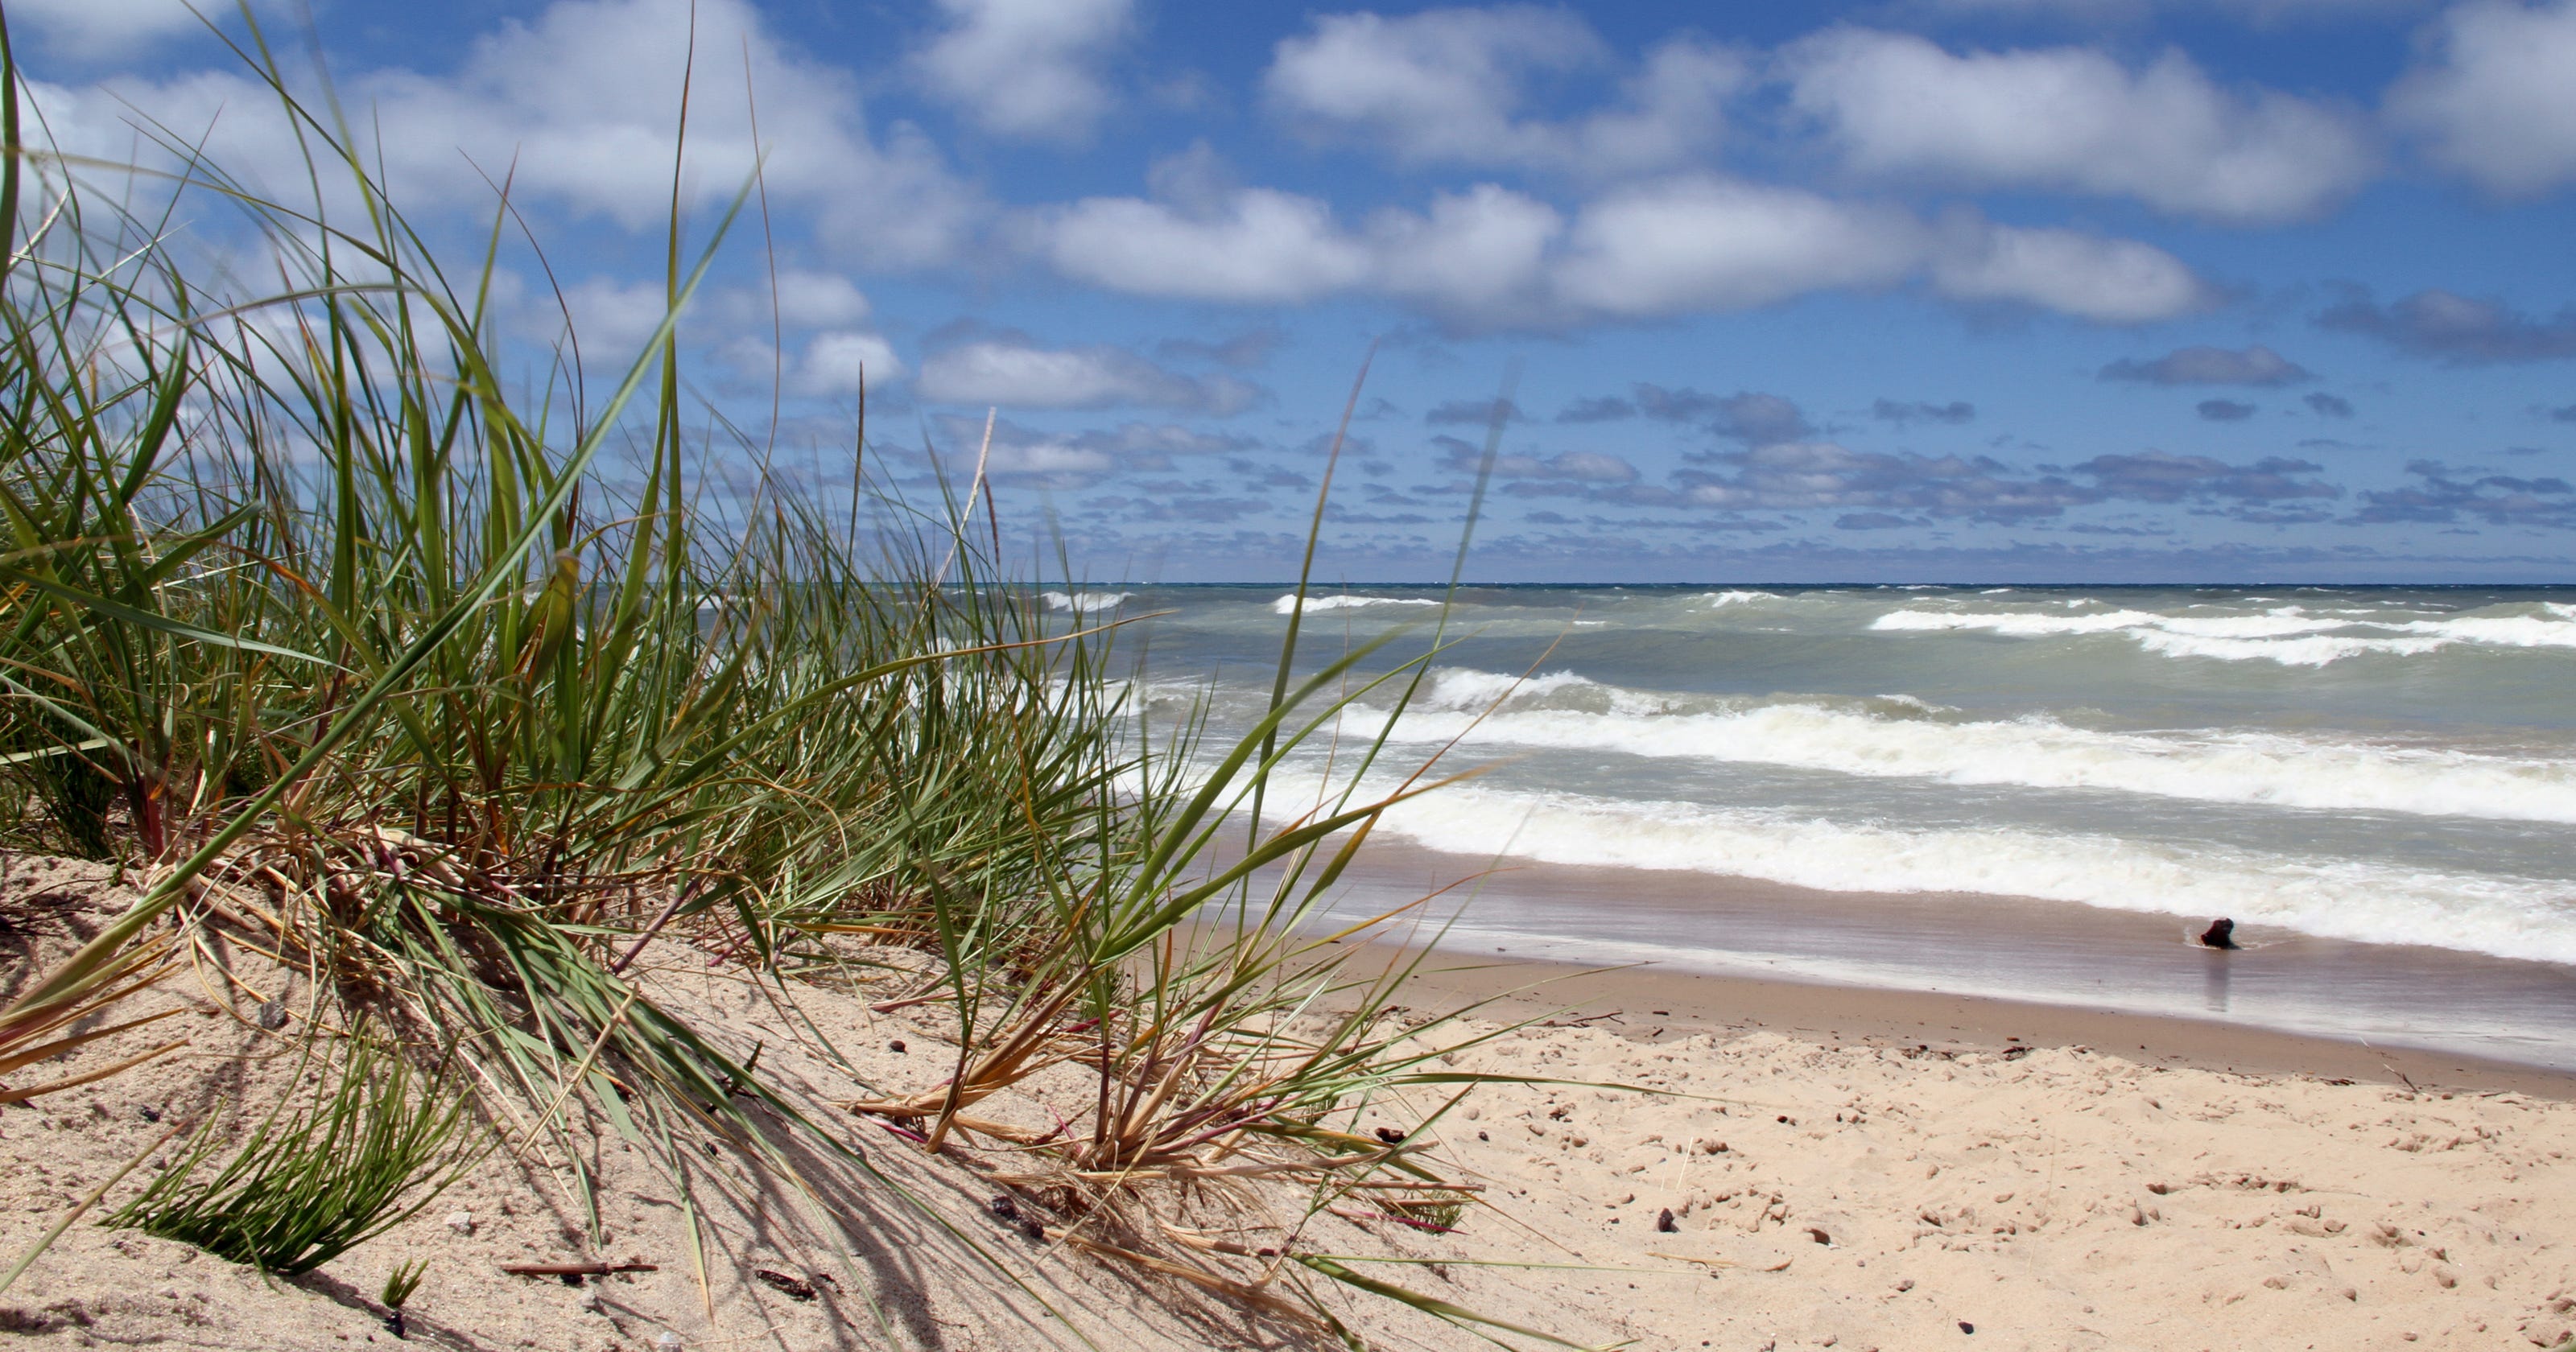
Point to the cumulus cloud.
(2453, 329)
(1078, 459)
(1703, 243)
(2495, 102)
(1900, 412)
(1439, 85)
(1883, 491)
(2155, 476)
(1578, 467)
(612, 319)
(1013, 373)
(2073, 119)
(576, 105)
(1026, 68)
(2445, 494)
(1258, 246)
(2326, 405)
(1022, 453)
(811, 300)
(1196, 508)
(1448, 85)
(2256, 365)
(1811, 474)
(843, 362)
(2108, 281)
(2225, 410)
(1747, 416)
(1750, 417)
(1491, 258)
(1478, 259)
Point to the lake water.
(2376, 766)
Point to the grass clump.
(452, 695)
(316, 1178)
(397, 1292)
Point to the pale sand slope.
(2059, 1198)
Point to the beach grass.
(312, 1180)
(455, 692)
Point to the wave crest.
(1901, 737)
(1085, 603)
(2288, 635)
(2370, 903)
(1287, 605)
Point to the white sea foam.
(2288, 635)
(1085, 603)
(1288, 604)
(1902, 737)
(2372, 903)
(2515, 631)
(2315, 650)
(1737, 598)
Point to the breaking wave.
(1897, 736)
(2288, 635)
(2367, 902)
(1286, 605)
(1085, 603)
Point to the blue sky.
(1925, 290)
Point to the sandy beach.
(1843, 1168)
(1882, 1170)
(2472, 1006)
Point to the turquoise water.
(2381, 765)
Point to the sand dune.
(1866, 1171)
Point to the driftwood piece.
(595, 1268)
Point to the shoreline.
(1905, 958)
(1657, 1005)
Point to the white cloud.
(1675, 110)
(1689, 244)
(838, 362)
(829, 365)
(818, 300)
(1015, 374)
(1703, 243)
(1075, 459)
(1027, 68)
(2496, 104)
(1022, 453)
(1439, 85)
(2108, 281)
(579, 107)
(1568, 466)
(2073, 119)
(1448, 85)
(1479, 256)
(612, 319)
(1258, 246)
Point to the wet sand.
(1654, 1005)
(1961, 966)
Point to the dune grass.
(454, 692)
(312, 1180)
